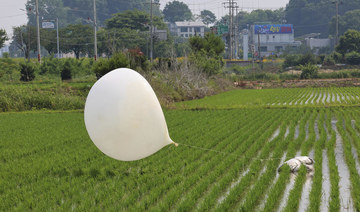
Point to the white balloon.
(124, 118)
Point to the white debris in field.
(295, 163)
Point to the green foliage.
(245, 18)
(103, 66)
(299, 59)
(177, 11)
(75, 11)
(350, 20)
(3, 37)
(8, 67)
(352, 58)
(305, 15)
(24, 38)
(66, 71)
(210, 43)
(238, 174)
(27, 71)
(337, 57)
(207, 17)
(309, 71)
(349, 42)
(77, 39)
(50, 65)
(133, 19)
(206, 53)
(329, 61)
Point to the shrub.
(352, 58)
(309, 71)
(27, 71)
(207, 64)
(50, 65)
(291, 60)
(328, 61)
(297, 59)
(337, 57)
(103, 66)
(66, 71)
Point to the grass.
(48, 162)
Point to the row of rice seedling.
(316, 190)
(334, 203)
(296, 193)
(350, 161)
(258, 191)
(152, 195)
(204, 165)
(240, 163)
(237, 193)
(291, 97)
(277, 191)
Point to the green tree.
(135, 19)
(66, 71)
(207, 17)
(24, 38)
(27, 71)
(271, 16)
(309, 71)
(103, 66)
(349, 42)
(48, 40)
(177, 11)
(206, 53)
(309, 16)
(352, 58)
(77, 38)
(78, 11)
(3, 37)
(8, 66)
(350, 20)
(114, 40)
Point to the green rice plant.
(295, 193)
(334, 204)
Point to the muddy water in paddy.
(316, 129)
(276, 134)
(307, 101)
(307, 131)
(346, 203)
(304, 201)
(263, 202)
(325, 183)
(288, 188)
(297, 131)
(287, 131)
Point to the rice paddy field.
(230, 146)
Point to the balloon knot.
(176, 144)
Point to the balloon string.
(225, 153)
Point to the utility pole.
(259, 48)
(38, 30)
(337, 23)
(236, 33)
(95, 39)
(231, 27)
(151, 31)
(57, 37)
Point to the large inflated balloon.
(124, 118)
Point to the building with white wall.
(188, 29)
(273, 38)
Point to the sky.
(11, 14)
